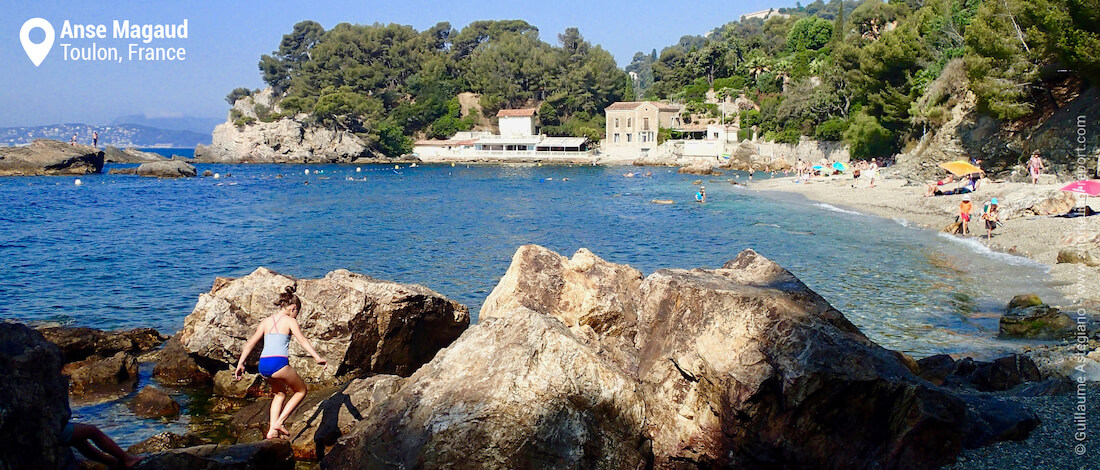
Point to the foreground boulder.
(250, 423)
(514, 392)
(1001, 374)
(1028, 317)
(1077, 256)
(79, 343)
(359, 324)
(34, 401)
(50, 157)
(267, 455)
(577, 364)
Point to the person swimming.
(701, 196)
(276, 332)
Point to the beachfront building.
(518, 140)
(632, 125)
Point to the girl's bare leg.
(290, 377)
(279, 387)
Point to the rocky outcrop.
(272, 454)
(251, 422)
(99, 377)
(252, 138)
(78, 343)
(175, 366)
(50, 157)
(514, 392)
(162, 169)
(1028, 317)
(581, 363)
(701, 168)
(1030, 201)
(154, 403)
(130, 155)
(34, 401)
(359, 324)
(322, 425)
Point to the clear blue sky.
(226, 39)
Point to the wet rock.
(165, 441)
(1078, 256)
(359, 324)
(517, 391)
(1001, 374)
(1047, 388)
(154, 403)
(992, 420)
(102, 377)
(936, 368)
(78, 343)
(34, 401)
(250, 423)
(272, 454)
(50, 157)
(207, 173)
(322, 425)
(227, 385)
(1028, 317)
(175, 366)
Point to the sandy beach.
(1022, 233)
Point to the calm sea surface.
(122, 251)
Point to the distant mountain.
(121, 135)
(185, 123)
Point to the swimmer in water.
(701, 196)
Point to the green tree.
(809, 33)
(294, 50)
(866, 138)
(237, 94)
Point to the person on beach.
(701, 196)
(72, 141)
(934, 186)
(276, 332)
(872, 172)
(1035, 167)
(965, 208)
(95, 138)
(104, 450)
(991, 216)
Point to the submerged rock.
(160, 169)
(99, 377)
(1028, 317)
(50, 157)
(578, 364)
(154, 403)
(359, 324)
(34, 401)
(272, 454)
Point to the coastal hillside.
(118, 135)
(933, 79)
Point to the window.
(645, 124)
(628, 135)
(644, 136)
(616, 139)
(628, 123)
(616, 123)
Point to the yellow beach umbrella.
(960, 168)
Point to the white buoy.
(413, 165)
(397, 167)
(452, 163)
(217, 175)
(307, 171)
(78, 182)
(358, 169)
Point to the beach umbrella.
(839, 166)
(960, 168)
(818, 167)
(1086, 187)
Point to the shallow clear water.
(124, 251)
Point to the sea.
(122, 251)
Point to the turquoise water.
(122, 251)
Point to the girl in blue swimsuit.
(276, 331)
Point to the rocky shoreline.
(575, 362)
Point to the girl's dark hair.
(287, 297)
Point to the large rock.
(226, 384)
(1028, 317)
(323, 424)
(250, 423)
(1030, 201)
(50, 157)
(154, 403)
(160, 169)
(175, 366)
(79, 343)
(738, 367)
(130, 155)
(701, 168)
(99, 377)
(267, 455)
(359, 324)
(1078, 256)
(1001, 374)
(34, 401)
(514, 392)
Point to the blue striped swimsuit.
(276, 352)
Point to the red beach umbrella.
(1086, 187)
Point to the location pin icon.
(37, 52)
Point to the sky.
(225, 40)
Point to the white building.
(516, 122)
